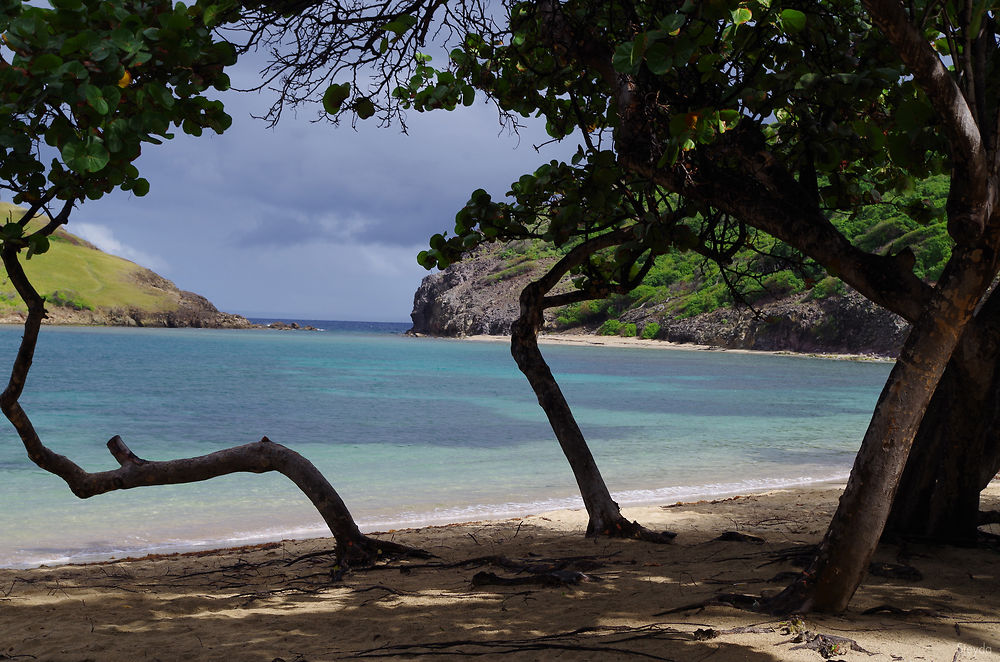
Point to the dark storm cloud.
(307, 219)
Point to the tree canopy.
(697, 122)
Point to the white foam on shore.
(29, 558)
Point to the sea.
(410, 431)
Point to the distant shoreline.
(584, 339)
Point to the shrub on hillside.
(829, 286)
(650, 331)
(68, 299)
(610, 328)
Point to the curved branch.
(886, 280)
(352, 545)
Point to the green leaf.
(741, 15)
(335, 96)
(792, 20)
(37, 244)
(425, 260)
(364, 108)
(673, 23)
(95, 99)
(659, 58)
(622, 59)
(85, 156)
(400, 25)
(11, 231)
(45, 62)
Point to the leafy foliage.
(83, 84)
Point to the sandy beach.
(591, 340)
(481, 596)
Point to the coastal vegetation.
(683, 284)
(700, 124)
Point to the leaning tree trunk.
(605, 517)
(353, 547)
(846, 550)
(957, 451)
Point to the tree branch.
(260, 457)
(970, 201)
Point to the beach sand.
(260, 603)
(593, 340)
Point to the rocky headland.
(479, 296)
(78, 295)
(190, 310)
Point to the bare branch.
(260, 457)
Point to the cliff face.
(472, 297)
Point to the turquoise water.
(409, 430)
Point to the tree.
(722, 116)
(89, 82)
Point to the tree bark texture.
(846, 550)
(352, 545)
(604, 514)
(957, 451)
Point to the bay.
(409, 430)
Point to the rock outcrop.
(479, 296)
(471, 297)
(844, 324)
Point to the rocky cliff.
(479, 296)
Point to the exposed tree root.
(372, 550)
(898, 611)
(989, 517)
(895, 571)
(624, 528)
(826, 645)
(552, 578)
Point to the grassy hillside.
(75, 274)
(683, 284)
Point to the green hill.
(84, 285)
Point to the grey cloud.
(308, 219)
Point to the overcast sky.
(307, 220)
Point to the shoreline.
(593, 340)
(617, 599)
(460, 515)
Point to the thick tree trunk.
(353, 547)
(957, 451)
(846, 550)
